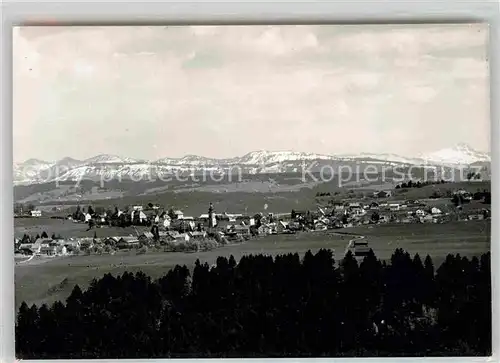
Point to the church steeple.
(211, 217)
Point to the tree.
(44, 235)
(258, 220)
(53, 236)
(311, 308)
(293, 214)
(90, 210)
(150, 205)
(156, 233)
(77, 216)
(171, 214)
(375, 217)
(26, 330)
(487, 198)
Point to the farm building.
(435, 210)
(384, 219)
(420, 213)
(282, 226)
(320, 225)
(178, 237)
(146, 236)
(394, 206)
(36, 213)
(111, 241)
(48, 250)
(382, 194)
(140, 215)
(127, 242)
(242, 230)
(478, 216)
(197, 235)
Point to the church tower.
(212, 222)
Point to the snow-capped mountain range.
(36, 171)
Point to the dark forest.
(272, 307)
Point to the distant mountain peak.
(109, 159)
(460, 154)
(34, 161)
(258, 161)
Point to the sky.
(223, 91)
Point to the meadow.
(53, 279)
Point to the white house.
(282, 226)
(137, 207)
(394, 206)
(179, 214)
(36, 213)
(88, 217)
(61, 250)
(435, 210)
(419, 213)
(166, 221)
(384, 219)
(360, 212)
(142, 215)
(320, 225)
(179, 237)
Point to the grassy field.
(52, 280)
(466, 238)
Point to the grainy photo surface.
(252, 191)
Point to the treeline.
(265, 307)
(419, 184)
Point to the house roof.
(116, 239)
(40, 241)
(129, 239)
(361, 249)
(241, 228)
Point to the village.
(170, 230)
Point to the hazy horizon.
(223, 91)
